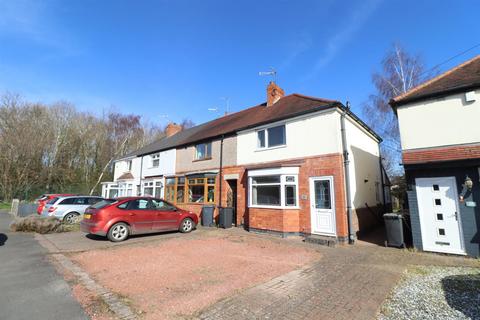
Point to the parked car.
(135, 215)
(69, 209)
(43, 199)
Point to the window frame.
(155, 157)
(283, 173)
(129, 165)
(172, 184)
(155, 185)
(265, 131)
(207, 155)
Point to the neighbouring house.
(440, 136)
(126, 178)
(294, 165)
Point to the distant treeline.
(57, 148)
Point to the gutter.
(428, 96)
(141, 174)
(382, 171)
(346, 164)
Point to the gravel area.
(435, 293)
(176, 277)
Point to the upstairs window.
(155, 160)
(129, 165)
(271, 137)
(203, 151)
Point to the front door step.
(322, 240)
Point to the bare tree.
(400, 72)
(55, 148)
(187, 124)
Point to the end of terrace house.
(293, 165)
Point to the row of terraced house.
(294, 165)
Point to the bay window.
(274, 187)
(271, 137)
(180, 190)
(191, 189)
(266, 190)
(170, 189)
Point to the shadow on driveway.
(3, 239)
(462, 292)
(134, 236)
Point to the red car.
(44, 198)
(135, 215)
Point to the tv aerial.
(272, 72)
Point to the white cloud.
(350, 26)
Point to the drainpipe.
(221, 173)
(346, 162)
(382, 181)
(141, 173)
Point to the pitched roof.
(287, 107)
(463, 77)
(125, 176)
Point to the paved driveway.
(30, 287)
(226, 273)
(348, 282)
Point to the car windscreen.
(52, 201)
(103, 203)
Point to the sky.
(173, 60)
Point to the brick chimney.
(274, 93)
(172, 128)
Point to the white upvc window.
(274, 188)
(155, 160)
(125, 189)
(271, 137)
(152, 188)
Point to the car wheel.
(118, 232)
(71, 218)
(187, 225)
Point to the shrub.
(36, 224)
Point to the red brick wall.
(241, 191)
(459, 152)
(327, 165)
(365, 220)
(286, 220)
(292, 220)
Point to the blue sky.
(178, 58)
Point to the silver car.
(69, 209)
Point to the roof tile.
(463, 76)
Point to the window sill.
(270, 148)
(201, 203)
(204, 159)
(275, 207)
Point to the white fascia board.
(273, 171)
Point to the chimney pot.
(274, 93)
(172, 128)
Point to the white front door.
(322, 206)
(439, 215)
